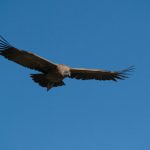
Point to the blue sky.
(83, 115)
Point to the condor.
(51, 74)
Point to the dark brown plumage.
(52, 74)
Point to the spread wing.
(87, 74)
(24, 58)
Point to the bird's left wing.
(87, 74)
(24, 58)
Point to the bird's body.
(52, 74)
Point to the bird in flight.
(51, 74)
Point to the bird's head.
(66, 73)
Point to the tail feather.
(40, 79)
(44, 82)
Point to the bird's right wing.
(24, 58)
(87, 74)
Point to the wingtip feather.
(123, 74)
(4, 44)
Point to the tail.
(44, 82)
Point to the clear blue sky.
(83, 115)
